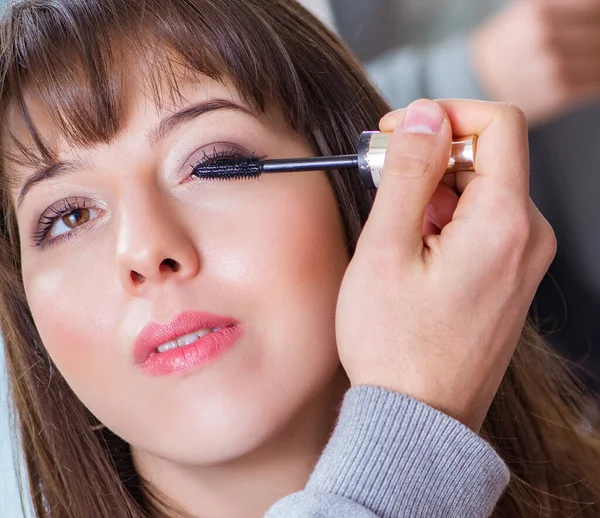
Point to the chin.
(221, 443)
(218, 433)
(221, 430)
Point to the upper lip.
(156, 334)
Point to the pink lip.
(182, 358)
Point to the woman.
(174, 345)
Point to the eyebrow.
(174, 121)
(164, 128)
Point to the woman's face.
(120, 237)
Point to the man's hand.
(438, 316)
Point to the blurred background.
(544, 56)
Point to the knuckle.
(548, 241)
(523, 228)
(517, 234)
(514, 115)
(541, 255)
(513, 111)
(544, 239)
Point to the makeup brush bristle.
(229, 168)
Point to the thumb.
(416, 159)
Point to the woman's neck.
(248, 486)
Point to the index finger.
(502, 148)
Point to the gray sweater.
(392, 456)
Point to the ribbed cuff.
(306, 504)
(399, 457)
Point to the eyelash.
(53, 214)
(220, 156)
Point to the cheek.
(302, 250)
(283, 245)
(291, 265)
(64, 308)
(74, 313)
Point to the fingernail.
(423, 117)
(431, 215)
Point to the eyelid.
(54, 212)
(70, 203)
(215, 147)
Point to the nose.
(153, 244)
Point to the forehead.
(136, 100)
(142, 104)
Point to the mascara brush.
(369, 160)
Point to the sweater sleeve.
(443, 70)
(392, 456)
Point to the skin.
(197, 435)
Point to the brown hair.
(275, 53)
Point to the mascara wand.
(372, 147)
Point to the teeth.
(184, 340)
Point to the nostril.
(166, 266)
(137, 278)
(171, 264)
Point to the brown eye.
(76, 218)
(72, 220)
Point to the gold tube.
(372, 148)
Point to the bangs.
(74, 59)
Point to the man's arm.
(392, 456)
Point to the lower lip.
(196, 354)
